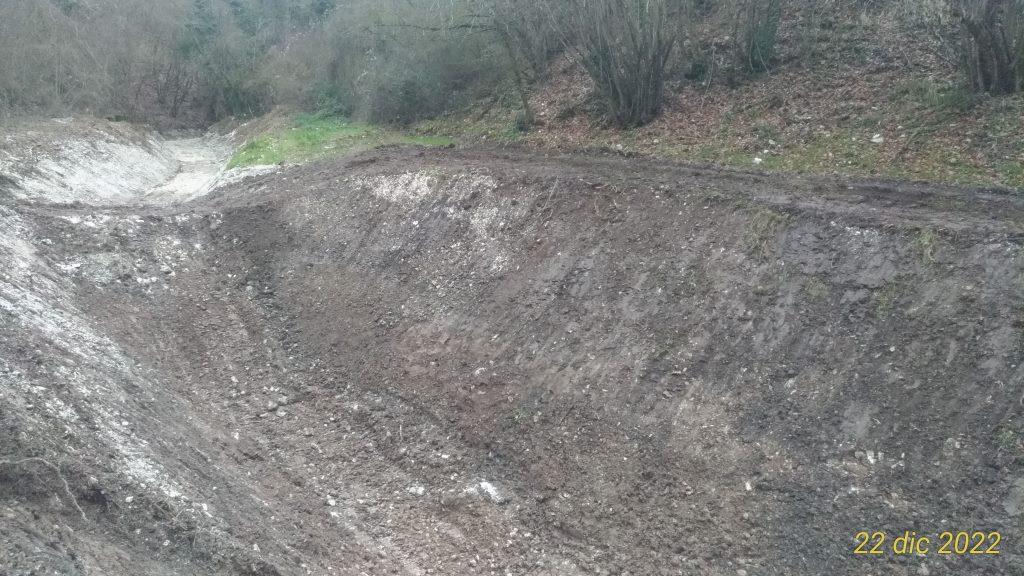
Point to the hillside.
(853, 92)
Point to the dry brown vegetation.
(729, 81)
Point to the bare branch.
(50, 465)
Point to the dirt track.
(457, 362)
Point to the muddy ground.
(500, 362)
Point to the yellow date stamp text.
(912, 543)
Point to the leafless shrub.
(992, 50)
(625, 46)
(756, 33)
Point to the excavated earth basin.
(490, 362)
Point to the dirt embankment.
(85, 161)
(473, 363)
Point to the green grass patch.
(845, 152)
(922, 94)
(816, 289)
(1008, 440)
(764, 228)
(311, 137)
(495, 127)
(925, 244)
(886, 298)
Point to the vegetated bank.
(286, 137)
(907, 89)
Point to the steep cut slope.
(105, 163)
(458, 363)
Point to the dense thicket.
(189, 62)
(200, 59)
(392, 61)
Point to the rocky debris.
(487, 490)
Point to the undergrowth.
(915, 129)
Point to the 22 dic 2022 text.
(909, 542)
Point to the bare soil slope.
(494, 362)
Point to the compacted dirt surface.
(491, 362)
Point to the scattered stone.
(489, 490)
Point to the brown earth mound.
(501, 363)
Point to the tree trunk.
(991, 52)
